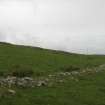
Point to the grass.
(89, 90)
(44, 61)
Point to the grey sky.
(69, 25)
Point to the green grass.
(44, 61)
(90, 90)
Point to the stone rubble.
(12, 92)
(24, 82)
(21, 82)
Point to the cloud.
(69, 25)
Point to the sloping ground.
(42, 60)
(85, 89)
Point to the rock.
(25, 82)
(21, 82)
(41, 83)
(62, 74)
(28, 78)
(75, 72)
(10, 81)
(68, 73)
(51, 76)
(12, 92)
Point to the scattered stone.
(25, 82)
(12, 92)
(10, 81)
(41, 83)
(74, 72)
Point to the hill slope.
(43, 60)
(88, 90)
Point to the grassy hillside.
(45, 61)
(88, 90)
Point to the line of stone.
(46, 81)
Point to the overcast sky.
(69, 25)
